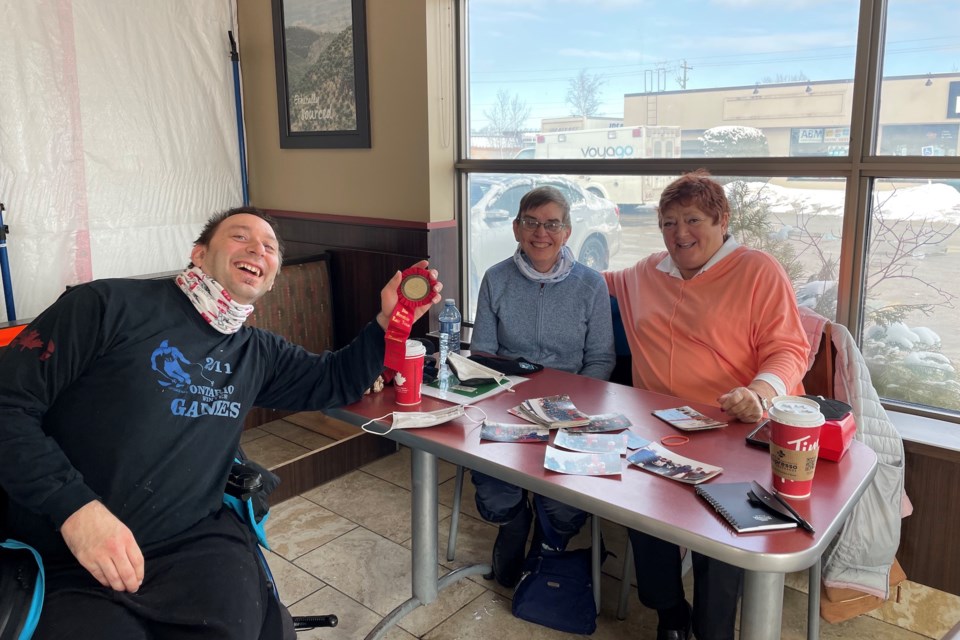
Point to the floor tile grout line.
(299, 444)
(336, 537)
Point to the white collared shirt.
(668, 266)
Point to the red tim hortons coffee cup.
(409, 376)
(794, 444)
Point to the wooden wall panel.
(299, 308)
(928, 549)
(364, 255)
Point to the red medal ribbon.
(415, 290)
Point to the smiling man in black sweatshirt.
(121, 408)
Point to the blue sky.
(532, 48)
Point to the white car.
(494, 202)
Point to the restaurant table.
(638, 499)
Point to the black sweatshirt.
(121, 392)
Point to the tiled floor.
(343, 548)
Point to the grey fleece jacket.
(563, 325)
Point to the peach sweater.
(700, 338)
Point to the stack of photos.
(503, 432)
(602, 423)
(553, 411)
(590, 454)
(663, 462)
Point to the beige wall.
(408, 173)
(777, 108)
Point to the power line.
(754, 59)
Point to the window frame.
(861, 168)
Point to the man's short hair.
(541, 196)
(214, 221)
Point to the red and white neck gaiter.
(213, 301)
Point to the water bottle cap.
(450, 301)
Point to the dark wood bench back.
(299, 308)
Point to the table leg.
(424, 519)
(761, 610)
(596, 558)
(813, 601)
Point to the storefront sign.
(953, 101)
(809, 136)
(834, 135)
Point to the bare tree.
(917, 372)
(583, 94)
(752, 223)
(506, 120)
(895, 250)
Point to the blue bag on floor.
(556, 591)
(556, 587)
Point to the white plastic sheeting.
(118, 137)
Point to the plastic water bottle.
(449, 336)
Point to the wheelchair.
(21, 568)
(21, 585)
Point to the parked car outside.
(494, 202)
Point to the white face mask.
(419, 419)
(467, 369)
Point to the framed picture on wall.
(322, 89)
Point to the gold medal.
(415, 290)
(415, 287)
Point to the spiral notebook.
(730, 500)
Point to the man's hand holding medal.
(403, 301)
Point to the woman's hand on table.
(743, 403)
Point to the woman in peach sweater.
(715, 322)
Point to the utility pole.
(682, 79)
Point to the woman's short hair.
(210, 228)
(696, 188)
(544, 195)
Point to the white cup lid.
(795, 411)
(415, 348)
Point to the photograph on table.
(688, 419)
(592, 442)
(582, 464)
(663, 462)
(503, 432)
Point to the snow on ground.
(934, 202)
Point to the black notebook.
(730, 500)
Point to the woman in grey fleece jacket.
(544, 306)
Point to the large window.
(554, 80)
(911, 337)
(838, 160)
(920, 89)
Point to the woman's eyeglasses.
(551, 226)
